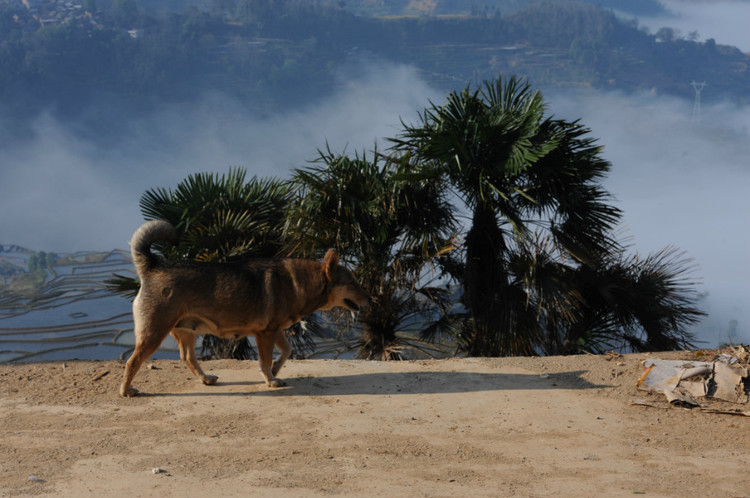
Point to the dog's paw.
(276, 383)
(129, 392)
(209, 380)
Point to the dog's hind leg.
(265, 342)
(284, 351)
(149, 334)
(145, 346)
(186, 342)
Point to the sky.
(679, 182)
(724, 21)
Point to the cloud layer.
(681, 183)
(65, 191)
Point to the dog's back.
(255, 294)
(258, 284)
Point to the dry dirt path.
(536, 427)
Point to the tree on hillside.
(540, 223)
(125, 12)
(397, 233)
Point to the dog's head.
(343, 288)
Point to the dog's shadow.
(400, 383)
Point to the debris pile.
(724, 377)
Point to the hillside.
(120, 58)
(371, 8)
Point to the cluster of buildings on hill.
(34, 13)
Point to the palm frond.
(219, 218)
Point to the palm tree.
(480, 142)
(623, 302)
(642, 304)
(391, 229)
(221, 218)
(539, 217)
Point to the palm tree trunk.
(485, 281)
(379, 341)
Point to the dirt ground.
(531, 427)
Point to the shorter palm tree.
(221, 218)
(633, 303)
(397, 233)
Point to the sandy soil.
(556, 426)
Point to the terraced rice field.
(68, 315)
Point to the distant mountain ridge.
(118, 58)
(488, 7)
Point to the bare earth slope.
(556, 426)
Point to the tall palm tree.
(539, 215)
(391, 229)
(481, 142)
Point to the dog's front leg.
(284, 351)
(265, 341)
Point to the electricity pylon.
(697, 87)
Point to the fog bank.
(681, 183)
(63, 191)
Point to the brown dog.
(236, 299)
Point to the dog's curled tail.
(140, 243)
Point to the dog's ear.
(330, 262)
